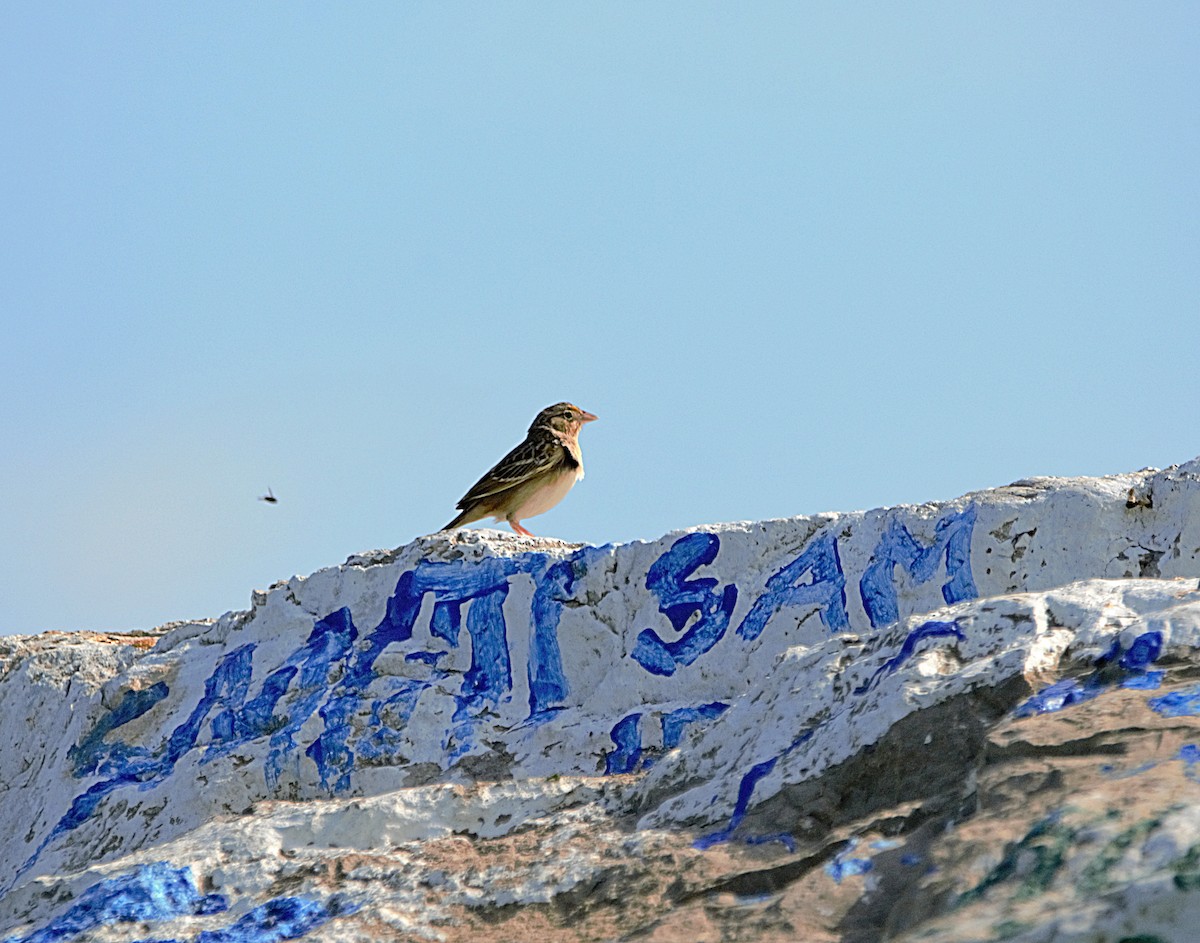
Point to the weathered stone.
(974, 720)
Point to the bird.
(269, 497)
(534, 476)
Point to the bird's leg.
(516, 525)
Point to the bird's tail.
(466, 517)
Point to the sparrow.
(534, 476)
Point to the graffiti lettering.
(680, 598)
(898, 547)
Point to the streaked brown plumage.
(534, 476)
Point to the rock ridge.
(965, 720)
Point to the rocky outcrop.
(970, 720)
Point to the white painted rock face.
(784, 729)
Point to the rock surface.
(970, 720)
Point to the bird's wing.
(537, 455)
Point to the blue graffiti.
(159, 892)
(544, 670)
(843, 866)
(1117, 772)
(1117, 666)
(674, 722)
(814, 578)
(932, 629)
(898, 547)
(284, 918)
(311, 669)
(680, 598)
(91, 752)
(1145, 681)
(152, 892)
(487, 681)
(826, 589)
(746, 792)
(1060, 694)
(241, 721)
(333, 675)
(1190, 754)
(1177, 703)
(383, 741)
(490, 674)
(329, 676)
(1143, 652)
(126, 766)
(144, 769)
(627, 735)
(788, 841)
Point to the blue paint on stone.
(1147, 681)
(159, 892)
(931, 629)
(483, 587)
(490, 674)
(745, 791)
(453, 584)
(446, 622)
(328, 645)
(674, 722)
(843, 866)
(152, 892)
(91, 753)
(1117, 666)
(826, 589)
(332, 651)
(143, 769)
(679, 599)
(400, 616)
(1143, 652)
(489, 678)
(783, 838)
(1061, 694)
(1178, 703)
(228, 683)
(627, 735)
(384, 739)
(1190, 754)
(284, 918)
(426, 658)
(242, 722)
(544, 672)
(898, 547)
(1117, 772)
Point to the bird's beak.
(585, 416)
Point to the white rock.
(477, 684)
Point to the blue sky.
(797, 257)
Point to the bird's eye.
(568, 415)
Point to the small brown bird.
(534, 476)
